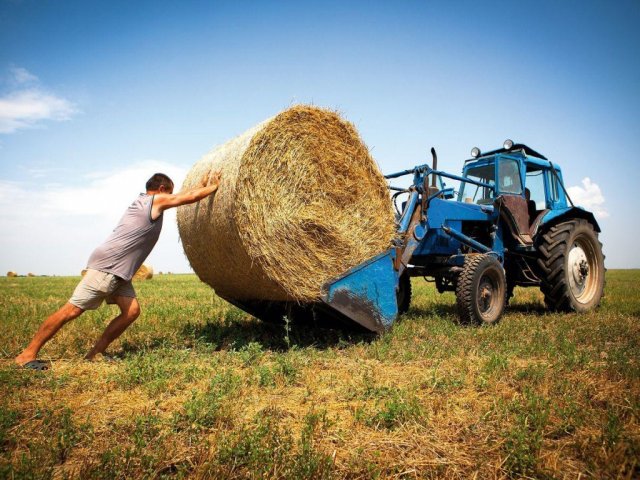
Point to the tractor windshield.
(471, 193)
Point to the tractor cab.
(524, 186)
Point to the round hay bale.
(31, 274)
(11, 274)
(300, 201)
(145, 272)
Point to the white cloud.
(590, 197)
(104, 190)
(22, 75)
(52, 229)
(26, 107)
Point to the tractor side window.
(535, 186)
(509, 176)
(553, 187)
(475, 193)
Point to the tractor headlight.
(508, 144)
(475, 152)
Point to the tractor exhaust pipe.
(435, 166)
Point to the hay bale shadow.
(236, 334)
(238, 330)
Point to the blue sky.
(95, 95)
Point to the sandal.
(38, 365)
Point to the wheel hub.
(486, 296)
(578, 269)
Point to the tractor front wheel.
(572, 266)
(481, 290)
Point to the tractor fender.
(563, 214)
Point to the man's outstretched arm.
(163, 201)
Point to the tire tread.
(553, 249)
(465, 290)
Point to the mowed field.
(203, 390)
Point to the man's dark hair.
(159, 179)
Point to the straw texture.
(300, 201)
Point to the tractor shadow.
(534, 308)
(450, 311)
(442, 310)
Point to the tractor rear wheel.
(481, 290)
(572, 266)
(403, 295)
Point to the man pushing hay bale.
(114, 263)
(300, 201)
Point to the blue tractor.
(510, 223)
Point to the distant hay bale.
(301, 201)
(145, 272)
(11, 274)
(31, 274)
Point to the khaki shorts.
(96, 286)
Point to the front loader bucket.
(366, 294)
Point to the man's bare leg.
(129, 311)
(47, 330)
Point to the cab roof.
(517, 147)
(530, 156)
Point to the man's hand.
(211, 179)
(163, 201)
(215, 179)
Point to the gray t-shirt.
(131, 241)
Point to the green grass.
(204, 390)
